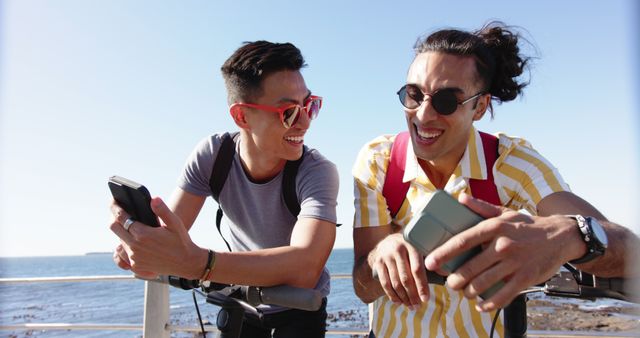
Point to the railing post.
(156, 310)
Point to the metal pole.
(156, 310)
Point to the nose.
(304, 121)
(425, 111)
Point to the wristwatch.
(593, 236)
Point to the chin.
(292, 156)
(296, 156)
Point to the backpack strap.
(486, 189)
(393, 189)
(222, 164)
(219, 173)
(289, 184)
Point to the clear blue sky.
(89, 89)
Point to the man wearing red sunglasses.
(451, 83)
(273, 108)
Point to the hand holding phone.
(134, 198)
(440, 219)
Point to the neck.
(439, 170)
(437, 174)
(258, 166)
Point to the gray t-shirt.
(257, 214)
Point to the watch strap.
(593, 249)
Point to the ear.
(481, 107)
(238, 116)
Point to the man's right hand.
(400, 270)
(121, 258)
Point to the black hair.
(245, 69)
(495, 50)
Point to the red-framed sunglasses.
(289, 113)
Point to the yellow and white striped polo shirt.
(523, 178)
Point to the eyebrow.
(455, 89)
(285, 99)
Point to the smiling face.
(440, 140)
(269, 142)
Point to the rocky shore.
(563, 315)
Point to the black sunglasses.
(444, 101)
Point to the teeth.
(296, 139)
(432, 134)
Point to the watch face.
(598, 231)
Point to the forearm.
(623, 246)
(366, 287)
(268, 267)
(365, 245)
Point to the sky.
(90, 89)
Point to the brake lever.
(563, 284)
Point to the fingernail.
(481, 307)
(429, 263)
(424, 298)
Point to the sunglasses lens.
(444, 102)
(410, 96)
(313, 108)
(290, 116)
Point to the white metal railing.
(156, 313)
(156, 309)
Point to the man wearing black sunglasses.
(273, 108)
(452, 82)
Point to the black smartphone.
(134, 198)
(441, 218)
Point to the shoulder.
(374, 155)
(379, 145)
(525, 173)
(210, 145)
(508, 142)
(514, 148)
(316, 163)
(376, 149)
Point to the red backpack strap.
(394, 190)
(486, 189)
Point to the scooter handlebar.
(284, 295)
(280, 295)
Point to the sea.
(122, 302)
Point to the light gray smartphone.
(442, 218)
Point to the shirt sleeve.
(524, 176)
(317, 187)
(369, 172)
(197, 169)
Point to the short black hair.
(245, 69)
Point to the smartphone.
(442, 218)
(134, 198)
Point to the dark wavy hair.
(495, 50)
(245, 69)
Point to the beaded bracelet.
(211, 262)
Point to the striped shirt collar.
(472, 164)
